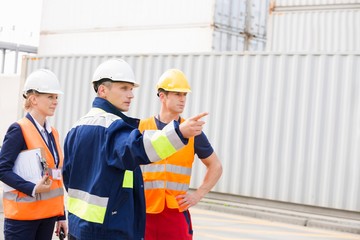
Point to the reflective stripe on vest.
(168, 168)
(165, 184)
(12, 196)
(90, 207)
(18, 205)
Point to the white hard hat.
(116, 70)
(42, 81)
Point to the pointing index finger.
(197, 117)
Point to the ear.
(102, 90)
(32, 99)
(161, 95)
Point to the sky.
(20, 21)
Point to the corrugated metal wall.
(296, 27)
(286, 126)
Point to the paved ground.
(214, 225)
(212, 222)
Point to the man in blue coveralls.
(102, 153)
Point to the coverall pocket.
(120, 212)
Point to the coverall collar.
(108, 107)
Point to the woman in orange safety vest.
(33, 197)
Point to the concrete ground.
(224, 220)
(216, 225)
(349, 223)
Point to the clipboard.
(28, 166)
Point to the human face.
(175, 102)
(119, 94)
(44, 104)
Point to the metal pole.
(247, 25)
(3, 61)
(16, 59)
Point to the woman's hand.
(43, 185)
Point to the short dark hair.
(101, 81)
(160, 90)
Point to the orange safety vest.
(20, 206)
(165, 179)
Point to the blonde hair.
(27, 100)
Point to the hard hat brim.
(177, 90)
(52, 92)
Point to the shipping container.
(244, 16)
(285, 126)
(229, 41)
(154, 26)
(332, 30)
(142, 41)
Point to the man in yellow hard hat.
(166, 182)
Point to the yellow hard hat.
(173, 80)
